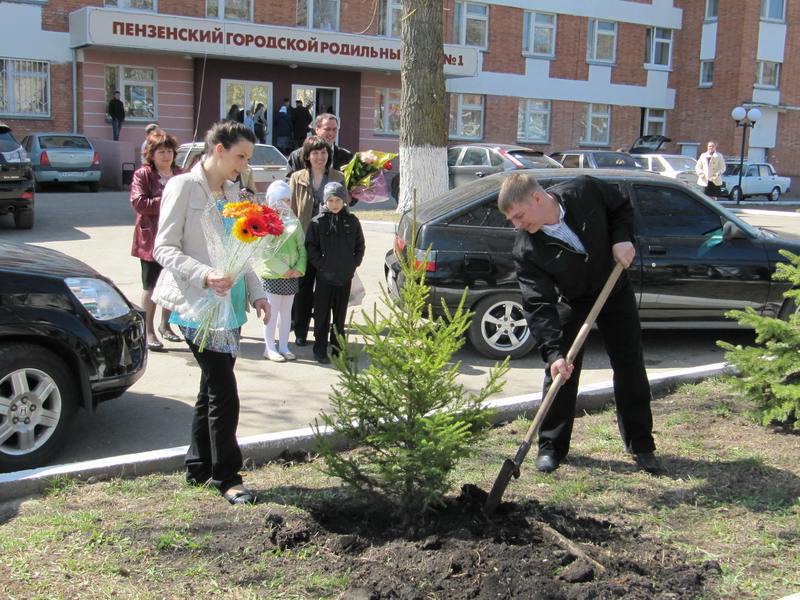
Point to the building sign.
(93, 26)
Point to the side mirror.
(731, 231)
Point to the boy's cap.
(334, 189)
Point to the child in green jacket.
(280, 273)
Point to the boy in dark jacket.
(335, 246)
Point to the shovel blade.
(507, 471)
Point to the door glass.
(474, 157)
(571, 161)
(452, 156)
(495, 158)
(669, 212)
(764, 171)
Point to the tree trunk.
(423, 118)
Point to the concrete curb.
(270, 446)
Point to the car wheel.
(94, 186)
(775, 194)
(736, 194)
(37, 401)
(499, 329)
(38, 186)
(23, 219)
(788, 308)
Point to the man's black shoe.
(546, 463)
(322, 359)
(300, 341)
(648, 461)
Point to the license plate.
(73, 174)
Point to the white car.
(677, 166)
(758, 179)
(268, 164)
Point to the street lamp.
(744, 118)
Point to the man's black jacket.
(335, 246)
(548, 269)
(341, 156)
(116, 109)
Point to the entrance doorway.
(318, 99)
(246, 95)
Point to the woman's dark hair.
(315, 142)
(228, 133)
(158, 138)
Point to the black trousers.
(304, 302)
(619, 326)
(329, 299)
(214, 452)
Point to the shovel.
(511, 467)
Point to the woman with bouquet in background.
(308, 186)
(184, 247)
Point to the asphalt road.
(156, 412)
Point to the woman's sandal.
(241, 497)
(169, 336)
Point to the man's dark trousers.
(619, 327)
(214, 452)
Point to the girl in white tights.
(280, 273)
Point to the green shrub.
(769, 372)
(409, 418)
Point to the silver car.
(63, 158)
(267, 164)
(468, 162)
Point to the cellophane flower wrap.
(364, 177)
(243, 231)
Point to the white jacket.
(710, 167)
(180, 245)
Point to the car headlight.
(98, 297)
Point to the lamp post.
(746, 119)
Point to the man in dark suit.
(326, 126)
(116, 110)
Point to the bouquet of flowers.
(364, 178)
(235, 236)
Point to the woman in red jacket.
(148, 183)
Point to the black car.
(695, 259)
(16, 180)
(68, 339)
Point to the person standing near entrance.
(709, 168)
(326, 126)
(283, 128)
(116, 110)
(301, 119)
(568, 239)
(260, 124)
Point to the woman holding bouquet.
(308, 186)
(183, 249)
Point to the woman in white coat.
(181, 248)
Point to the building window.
(471, 24)
(24, 87)
(768, 74)
(602, 41)
(658, 48)
(137, 86)
(772, 10)
(466, 116)
(318, 14)
(132, 4)
(597, 124)
(533, 121)
(706, 73)
(712, 10)
(539, 34)
(655, 121)
(387, 111)
(390, 18)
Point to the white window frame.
(456, 130)
(526, 108)
(712, 10)
(765, 10)
(589, 116)
(10, 68)
(705, 81)
(126, 5)
(387, 22)
(760, 64)
(309, 24)
(462, 16)
(122, 82)
(221, 12)
(529, 28)
(594, 34)
(385, 106)
(650, 118)
(655, 37)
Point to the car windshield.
(732, 169)
(530, 160)
(267, 155)
(49, 142)
(681, 163)
(614, 160)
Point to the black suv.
(16, 180)
(68, 339)
(695, 260)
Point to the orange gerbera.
(234, 210)
(244, 231)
